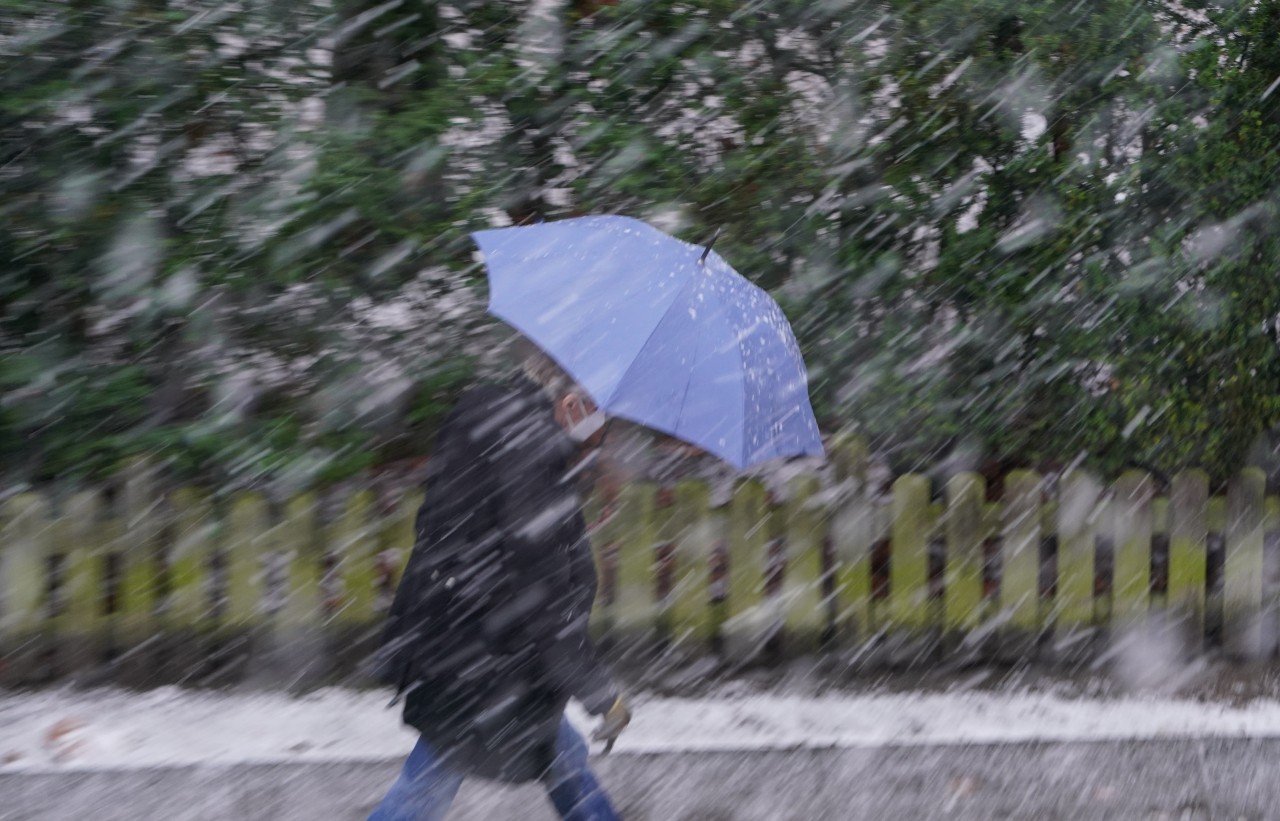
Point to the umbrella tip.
(702, 260)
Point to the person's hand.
(615, 721)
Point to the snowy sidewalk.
(171, 755)
(65, 731)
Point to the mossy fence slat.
(141, 585)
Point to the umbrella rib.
(697, 347)
(653, 332)
(742, 358)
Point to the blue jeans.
(425, 789)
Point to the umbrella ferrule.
(702, 260)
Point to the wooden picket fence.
(144, 586)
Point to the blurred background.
(1007, 234)
(1027, 248)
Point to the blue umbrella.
(659, 331)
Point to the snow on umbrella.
(659, 331)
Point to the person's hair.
(543, 371)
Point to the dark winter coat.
(487, 636)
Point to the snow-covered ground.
(108, 729)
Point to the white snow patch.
(1033, 125)
(109, 729)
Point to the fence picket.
(140, 571)
(695, 538)
(851, 531)
(24, 552)
(1133, 522)
(1020, 558)
(962, 590)
(747, 618)
(1271, 558)
(247, 545)
(354, 542)
(909, 562)
(1188, 533)
(806, 617)
(1244, 567)
(81, 627)
(598, 511)
(635, 607)
(1078, 510)
(355, 621)
(190, 614)
(299, 542)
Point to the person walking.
(487, 637)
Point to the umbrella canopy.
(659, 331)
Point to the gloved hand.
(615, 721)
